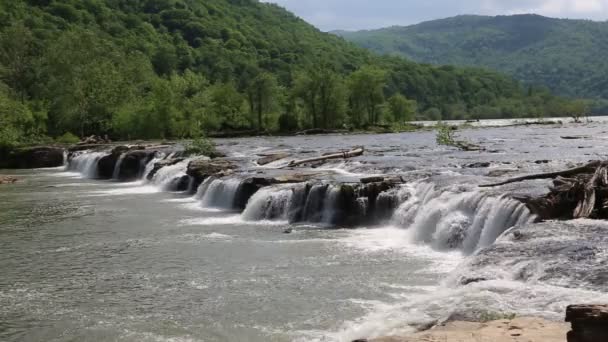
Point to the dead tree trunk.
(340, 155)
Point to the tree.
(366, 87)
(262, 95)
(401, 108)
(577, 109)
(324, 96)
(17, 55)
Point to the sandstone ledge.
(521, 329)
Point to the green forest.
(145, 69)
(567, 56)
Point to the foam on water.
(455, 219)
(167, 175)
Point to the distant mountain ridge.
(568, 56)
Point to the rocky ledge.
(521, 329)
(589, 323)
(32, 157)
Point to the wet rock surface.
(201, 169)
(589, 322)
(32, 158)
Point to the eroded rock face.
(200, 169)
(133, 164)
(33, 158)
(589, 322)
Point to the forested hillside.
(180, 68)
(567, 56)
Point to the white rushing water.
(219, 193)
(166, 176)
(116, 173)
(86, 163)
(448, 219)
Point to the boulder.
(106, 165)
(200, 169)
(32, 158)
(589, 322)
(133, 164)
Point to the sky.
(367, 14)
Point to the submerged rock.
(7, 180)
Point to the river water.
(91, 260)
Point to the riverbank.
(520, 329)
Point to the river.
(83, 259)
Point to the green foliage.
(489, 316)
(201, 146)
(568, 56)
(402, 109)
(445, 135)
(175, 68)
(68, 138)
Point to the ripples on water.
(85, 260)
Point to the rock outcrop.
(133, 164)
(589, 323)
(32, 158)
(201, 169)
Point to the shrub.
(68, 138)
(201, 146)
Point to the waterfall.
(449, 219)
(219, 193)
(330, 204)
(86, 163)
(150, 165)
(116, 173)
(168, 177)
(271, 203)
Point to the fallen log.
(340, 155)
(589, 168)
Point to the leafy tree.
(263, 93)
(367, 93)
(401, 108)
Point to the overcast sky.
(365, 14)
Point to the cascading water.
(167, 177)
(86, 163)
(449, 219)
(271, 203)
(150, 165)
(331, 204)
(116, 173)
(219, 193)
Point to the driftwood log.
(339, 155)
(581, 192)
(567, 173)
